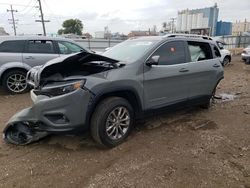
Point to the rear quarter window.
(13, 46)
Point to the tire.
(14, 82)
(247, 62)
(226, 61)
(208, 103)
(107, 129)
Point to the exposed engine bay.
(75, 72)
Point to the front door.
(167, 83)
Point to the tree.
(74, 26)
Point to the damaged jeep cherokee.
(106, 93)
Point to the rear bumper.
(56, 114)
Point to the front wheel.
(226, 61)
(112, 121)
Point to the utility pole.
(245, 25)
(42, 19)
(172, 25)
(13, 18)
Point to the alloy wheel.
(16, 83)
(117, 123)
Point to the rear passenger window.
(40, 46)
(199, 51)
(171, 53)
(14, 46)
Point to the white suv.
(225, 54)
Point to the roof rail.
(188, 35)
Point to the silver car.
(19, 54)
(106, 93)
(245, 55)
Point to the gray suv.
(19, 54)
(106, 93)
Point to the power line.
(26, 6)
(42, 19)
(52, 13)
(15, 4)
(13, 18)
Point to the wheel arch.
(10, 69)
(229, 57)
(131, 96)
(13, 66)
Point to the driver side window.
(171, 53)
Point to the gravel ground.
(188, 148)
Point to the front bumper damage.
(48, 115)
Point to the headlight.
(61, 89)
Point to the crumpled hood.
(35, 74)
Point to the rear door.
(167, 83)
(11, 51)
(203, 69)
(38, 52)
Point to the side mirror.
(154, 60)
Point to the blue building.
(224, 28)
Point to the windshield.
(220, 44)
(129, 50)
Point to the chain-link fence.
(101, 44)
(236, 41)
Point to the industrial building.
(199, 21)
(240, 27)
(223, 28)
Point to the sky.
(119, 16)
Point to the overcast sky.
(119, 16)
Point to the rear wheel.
(14, 82)
(208, 104)
(112, 121)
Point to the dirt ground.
(188, 148)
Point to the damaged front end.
(60, 98)
(21, 133)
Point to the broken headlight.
(60, 89)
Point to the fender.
(12, 65)
(96, 98)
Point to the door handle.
(183, 70)
(216, 65)
(29, 57)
